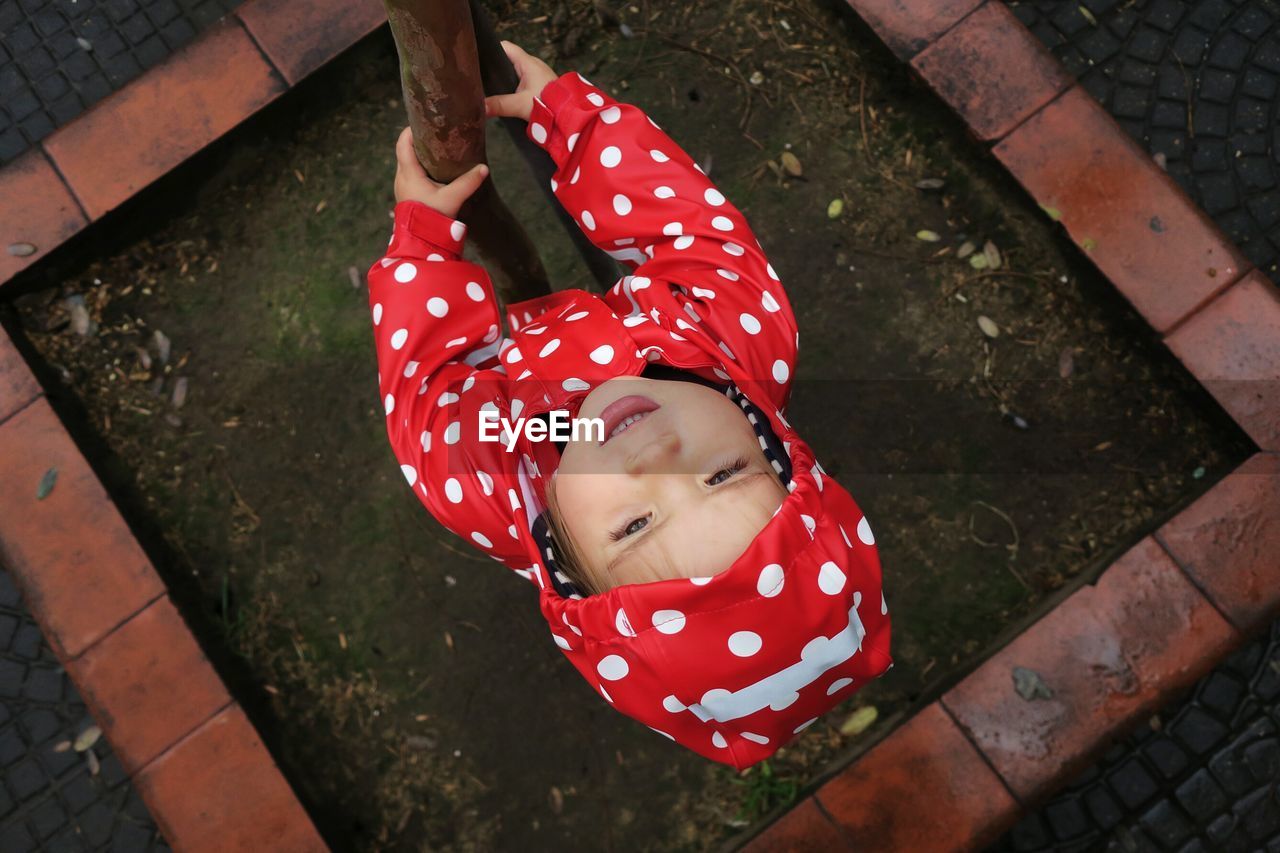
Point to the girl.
(691, 558)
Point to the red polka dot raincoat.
(733, 665)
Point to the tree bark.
(444, 96)
(499, 78)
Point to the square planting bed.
(405, 682)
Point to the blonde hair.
(569, 557)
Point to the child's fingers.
(511, 105)
(457, 191)
(516, 54)
(407, 158)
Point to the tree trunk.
(440, 78)
(499, 78)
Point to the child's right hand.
(534, 76)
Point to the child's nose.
(655, 456)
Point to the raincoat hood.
(734, 665)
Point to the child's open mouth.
(624, 413)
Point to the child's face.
(679, 493)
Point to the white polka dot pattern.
(699, 290)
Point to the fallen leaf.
(927, 235)
(162, 346)
(1066, 362)
(1053, 212)
(859, 720)
(81, 323)
(87, 738)
(791, 163)
(1102, 445)
(91, 759)
(1029, 684)
(835, 208)
(62, 746)
(22, 250)
(930, 184)
(978, 261)
(557, 800)
(448, 640)
(179, 392)
(992, 254)
(46, 483)
(1087, 15)
(1017, 420)
(1088, 244)
(965, 250)
(988, 326)
(322, 205)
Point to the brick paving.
(1195, 81)
(1201, 775)
(50, 799)
(60, 57)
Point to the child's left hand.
(413, 184)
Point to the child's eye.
(734, 468)
(631, 527)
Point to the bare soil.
(406, 684)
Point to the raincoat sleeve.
(436, 336)
(699, 271)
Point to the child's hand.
(534, 75)
(413, 184)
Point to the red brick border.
(91, 166)
(969, 761)
(960, 772)
(106, 615)
(194, 756)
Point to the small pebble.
(988, 326)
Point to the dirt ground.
(405, 683)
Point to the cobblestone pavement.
(51, 799)
(1195, 82)
(59, 57)
(1202, 776)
